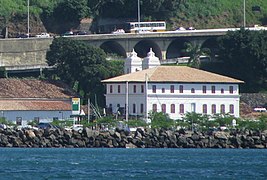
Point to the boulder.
(221, 135)
(30, 134)
(130, 145)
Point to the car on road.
(80, 33)
(43, 35)
(180, 29)
(22, 36)
(68, 33)
(260, 109)
(118, 31)
(190, 28)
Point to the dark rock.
(152, 138)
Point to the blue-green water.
(132, 163)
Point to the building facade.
(174, 90)
(25, 100)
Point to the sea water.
(104, 163)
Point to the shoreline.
(149, 138)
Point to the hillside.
(59, 16)
(220, 13)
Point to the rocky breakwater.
(151, 138)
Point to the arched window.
(155, 108)
(172, 88)
(172, 108)
(192, 90)
(134, 88)
(231, 89)
(213, 89)
(181, 88)
(181, 108)
(142, 108)
(232, 111)
(163, 90)
(163, 108)
(154, 88)
(213, 108)
(204, 89)
(222, 109)
(134, 108)
(110, 89)
(119, 89)
(222, 91)
(142, 89)
(204, 109)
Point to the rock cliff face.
(139, 139)
(19, 25)
(254, 99)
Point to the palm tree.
(195, 51)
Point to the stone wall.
(24, 52)
(139, 139)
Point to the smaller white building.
(24, 100)
(174, 90)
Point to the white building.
(174, 90)
(24, 100)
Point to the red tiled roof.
(33, 88)
(27, 104)
(173, 74)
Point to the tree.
(244, 54)
(194, 52)
(6, 11)
(161, 120)
(72, 10)
(77, 63)
(150, 9)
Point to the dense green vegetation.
(82, 67)
(244, 56)
(191, 121)
(61, 15)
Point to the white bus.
(150, 26)
(132, 27)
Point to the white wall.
(187, 98)
(30, 115)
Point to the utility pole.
(28, 28)
(244, 9)
(138, 14)
(127, 101)
(89, 110)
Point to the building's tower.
(132, 63)
(150, 61)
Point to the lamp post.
(244, 9)
(28, 27)
(138, 14)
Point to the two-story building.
(174, 90)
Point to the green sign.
(76, 106)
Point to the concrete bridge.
(31, 52)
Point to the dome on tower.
(150, 61)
